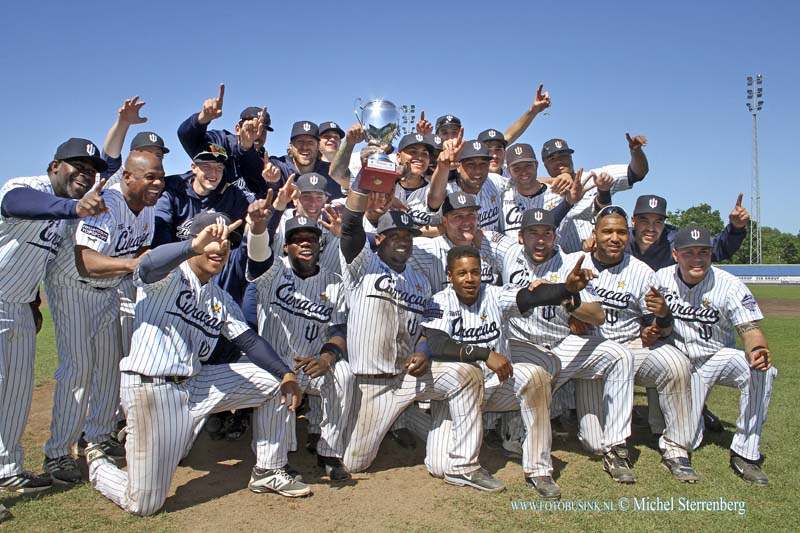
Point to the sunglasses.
(611, 210)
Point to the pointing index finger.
(100, 185)
(739, 200)
(578, 264)
(422, 116)
(221, 96)
(539, 95)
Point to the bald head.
(142, 179)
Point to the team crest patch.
(749, 302)
(437, 140)
(153, 137)
(559, 145)
(306, 126)
(492, 133)
(653, 202)
(462, 199)
(302, 220)
(476, 145)
(313, 180)
(518, 150)
(418, 137)
(538, 215)
(432, 313)
(695, 234)
(449, 117)
(90, 149)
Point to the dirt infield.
(779, 307)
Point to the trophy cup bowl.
(380, 120)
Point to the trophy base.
(379, 175)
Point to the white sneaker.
(277, 480)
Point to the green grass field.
(784, 292)
(770, 508)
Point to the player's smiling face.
(473, 172)
(329, 141)
(694, 262)
(649, 228)
(611, 236)
(538, 242)
(311, 203)
(73, 177)
(394, 247)
(416, 158)
(303, 150)
(302, 248)
(559, 163)
(143, 180)
(460, 225)
(523, 175)
(449, 131)
(208, 265)
(207, 175)
(465, 275)
(497, 152)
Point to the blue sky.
(672, 71)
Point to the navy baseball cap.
(650, 203)
(253, 112)
(396, 220)
(446, 120)
(520, 153)
(474, 148)
(492, 135)
(328, 126)
(555, 146)
(304, 127)
(459, 200)
(692, 236)
(312, 182)
(298, 223)
(144, 139)
(537, 217)
(214, 152)
(438, 142)
(205, 218)
(77, 148)
(416, 138)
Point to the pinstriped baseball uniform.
(178, 323)
(429, 257)
(575, 356)
(705, 318)
(514, 204)
(528, 390)
(294, 316)
(26, 246)
(489, 198)
(622, 289)
(577, 225)
(417, 203)
(86, 316)
(328, 244)
(385, 312)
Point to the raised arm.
(540, 103)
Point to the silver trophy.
(379, 119)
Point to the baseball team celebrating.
(473, 301)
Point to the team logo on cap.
(418, 137)
(404, 219)
(313, 180)
(518, 150)
(90, 149)
(476, 145)
(306, 126)
(538, 215)
(437, 140)
(462, 199)
(220, 220)
(449, 117)
(695, 234)
(153, 137)
(302, 220)
(333, 125)
(653, 202)
(492, 133)
(558, 144)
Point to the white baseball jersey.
(577, 225)
(429, 257)
(328, 244)
(489, 199)
(386, 309)
(178, 322)
(26, 246)
(621, 289)
(294, 314)
(417, 203)
(479, 324)
(515, 204)
(706, 314)
(118, 233)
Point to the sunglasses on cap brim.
(610, 210)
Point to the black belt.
(168, 379)
(382, 376)
(92, 286)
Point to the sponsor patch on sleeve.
(749, 302)
(94, 231)
(432, 313)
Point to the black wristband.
(332, 348)
(574, 303)
(759, 347)
(664, 322)
(603, 198)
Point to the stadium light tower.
(755, 101)
(409, 118)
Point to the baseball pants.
(17, 353)
(161, 416)
(378, 401)
(660, 366)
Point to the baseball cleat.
(477, 479)
(681, 469)
(112, 447)
(711, 421)
(615, 462)
(334, 468)
(277, 480)
(93, 452)
(25, 483)
(748, 470)
(63, 470)
(545, 486)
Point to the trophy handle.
(357, 105)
